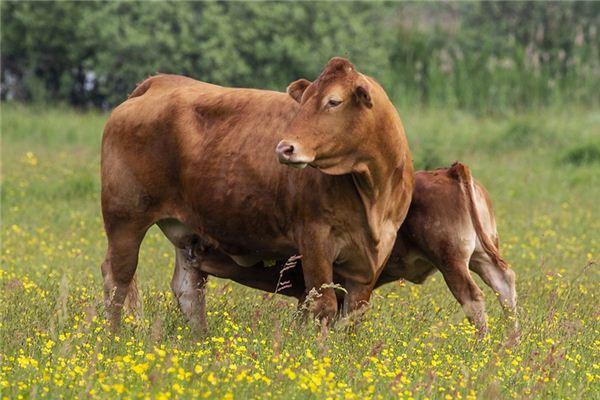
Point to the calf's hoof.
(198, 329)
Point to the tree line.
(483, 56)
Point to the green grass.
(540, 167)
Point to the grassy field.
(542, 169)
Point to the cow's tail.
(133, 302)
(141, 88)
(466, 180)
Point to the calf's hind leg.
(119, 266)
(501, 280)
(189, 287)
(465, 290)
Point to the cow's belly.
(184, 236)
(246, 239)
(245, 205)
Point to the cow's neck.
(383, 179)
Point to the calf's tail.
(466, 180)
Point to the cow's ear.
(296, 89)
(363, 96)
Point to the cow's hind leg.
(119, 266)
(501, 280)
(465, 290)
(189, 287)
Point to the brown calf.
(450, 227)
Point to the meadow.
(541, 167)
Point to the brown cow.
(375, 169)
(450, 227)
(198, 160)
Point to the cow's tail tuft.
(463, 174)
(141, 88)
(133, 301)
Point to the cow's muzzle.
(290, 153)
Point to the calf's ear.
(296, 89)
(363, 96)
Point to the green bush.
(582, 154)
(487, 57)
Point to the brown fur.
(441, 216)
(362, 135)
(199, 160)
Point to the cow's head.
(339, 120)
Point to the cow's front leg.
(317, 266)
(356, 301)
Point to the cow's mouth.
(298, 165)
(290, 154)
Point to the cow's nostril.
(286, 151)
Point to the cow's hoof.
(324, 309)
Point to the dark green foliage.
(519, 134)
(426, 157)
(581, 154)
(484, 56)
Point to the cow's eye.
(334, 103)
